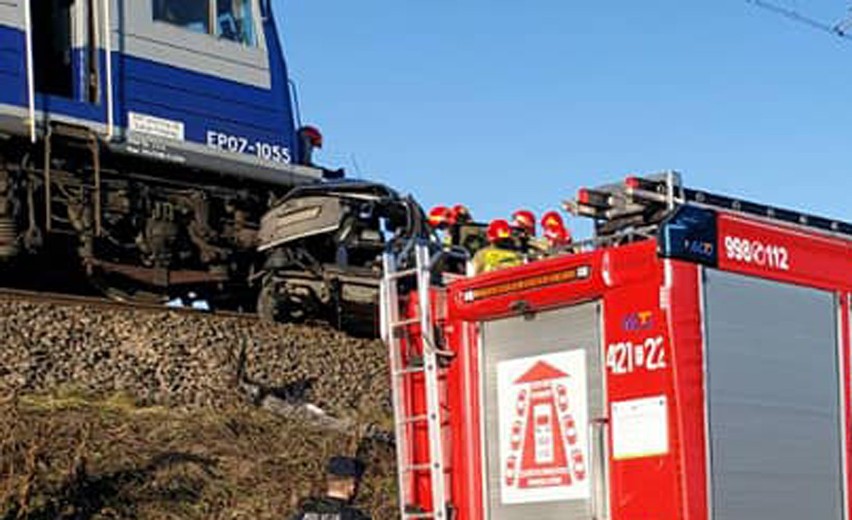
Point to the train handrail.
(28, 22)
(108, 65)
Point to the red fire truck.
(690, 362)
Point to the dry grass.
(86, 457)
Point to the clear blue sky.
(501, 104)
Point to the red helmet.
(498, 230)
(524, 219)
(554, 229)
(439, 217)
(557, 235)
(313, 135)
(552, 219)
(459, 214)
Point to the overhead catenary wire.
(843, 26)
(840, 29)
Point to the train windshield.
(193, 15)
(227, 19)
(234, 21)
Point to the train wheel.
(284, 303)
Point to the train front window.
(189, 14)
(234, 21)
(226, 19)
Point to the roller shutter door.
(773, 400)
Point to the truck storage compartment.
(773, 396)
(542, 385)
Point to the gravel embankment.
(136, 414)
(178, 359)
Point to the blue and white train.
(146, 136)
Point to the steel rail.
(66, 299)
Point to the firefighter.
(523, 222)
(342, 477)
(501, 251)
(556, 234)
(459, 217)
(439, 217)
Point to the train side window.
(234, 21)
(189, 14)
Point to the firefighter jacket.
(492, 258)
(328, 508)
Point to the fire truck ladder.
(397, 323)
(643, 203)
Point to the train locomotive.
(141, 142)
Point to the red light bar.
(593, 198)
(633, 182)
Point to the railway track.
(107, 303)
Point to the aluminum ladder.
(645, 202)
(396, 332)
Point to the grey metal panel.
(197, 155)
(299, 218)
(773, 400)
(161, 42)
(13, 120)
(164, 43)
(553, 331)
(12, 13)
(194, 155)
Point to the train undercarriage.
(134, 229)
(75, 217)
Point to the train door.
(66, 60)
(543, 389)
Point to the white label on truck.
(544, 449)
(155, 126)
(640, 428)
(627, 357)
(757, 253)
